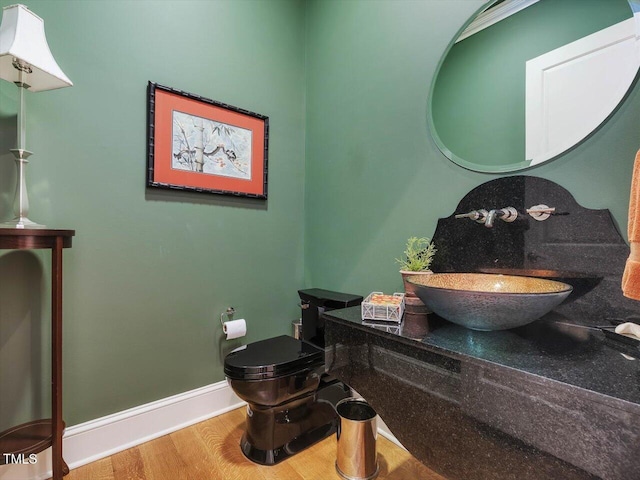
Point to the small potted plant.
(417, 259)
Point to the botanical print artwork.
(197, 144)
(203, 146)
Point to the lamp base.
(21, 222)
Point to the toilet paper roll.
(235, 328)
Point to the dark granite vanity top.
(573, 355)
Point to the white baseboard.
(105, 436)
(102, 437)
(382, 427)
(386, 433)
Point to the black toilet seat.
(272, 358)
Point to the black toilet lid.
(271, 358)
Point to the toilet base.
(274, 434)
(276, 455)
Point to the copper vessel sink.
(487, 301)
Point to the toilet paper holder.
(229, 313)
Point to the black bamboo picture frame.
(201, 145)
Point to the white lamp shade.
(22, 37)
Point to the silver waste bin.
(357, 434)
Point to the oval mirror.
(526, 80)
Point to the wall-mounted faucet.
(508, 214)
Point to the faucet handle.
(509, 214)
(477, 215)
(541, 212)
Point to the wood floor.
(210, 451)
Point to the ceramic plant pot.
(414, 308)
(409, 289)
(415, 325)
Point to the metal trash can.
(357, 434)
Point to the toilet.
(290, 399)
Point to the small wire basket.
(388, 308)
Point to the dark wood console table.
(36, 436)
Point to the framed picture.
(197, 144)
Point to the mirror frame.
(634, 5)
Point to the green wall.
(150, 271)
(374, 175)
